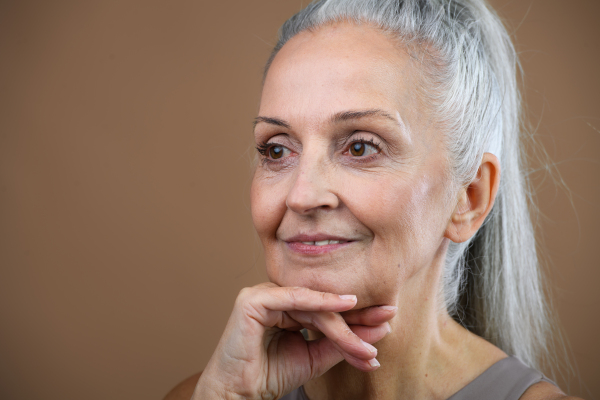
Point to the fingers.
(367, 335)
(295, 298)
(353, 348)
(370, 316)
(352, 331)
(294, 307)
(371, 334)
(325, 354)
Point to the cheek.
(385, 202)
(265, 206)
(404, 212)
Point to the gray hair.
(492, 283)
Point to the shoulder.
(185, 389)
(545, 391)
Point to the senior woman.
(391, 202)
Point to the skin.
(341, 86)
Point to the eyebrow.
(350, 115)
(272, 121)
(336, 118)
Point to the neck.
(426, 356)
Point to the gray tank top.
(507, 379)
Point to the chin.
(319, 279)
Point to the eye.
(272, 151)
(363, 148)
(276, 152)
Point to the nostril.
(308, 195)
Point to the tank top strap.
(507, 379)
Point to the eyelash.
(371, 142)
(264, 147)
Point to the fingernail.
(348, 297)
(388, 308)
(369, 347)
(389, 327)
(374, 363)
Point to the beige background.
(125, 146)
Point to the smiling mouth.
(317, 247)
(325, 242)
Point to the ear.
(475, 201)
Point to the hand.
(262, 354)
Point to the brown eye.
(276, 152)
(363, 149)
(357, 149)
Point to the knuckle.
(323, 297)
(248, 293)
(346, 336)
(347, 333)
(296, 294)
(244, 295)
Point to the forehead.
(336, 68)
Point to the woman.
(383, 131)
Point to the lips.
(325, 242)
(316, 244)
(318, 238)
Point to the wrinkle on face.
(396, 206)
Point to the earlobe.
(475, 201)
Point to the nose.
(312, 189)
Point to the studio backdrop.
(125, 164)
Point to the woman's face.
(351, 155)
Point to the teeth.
(324, 242)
